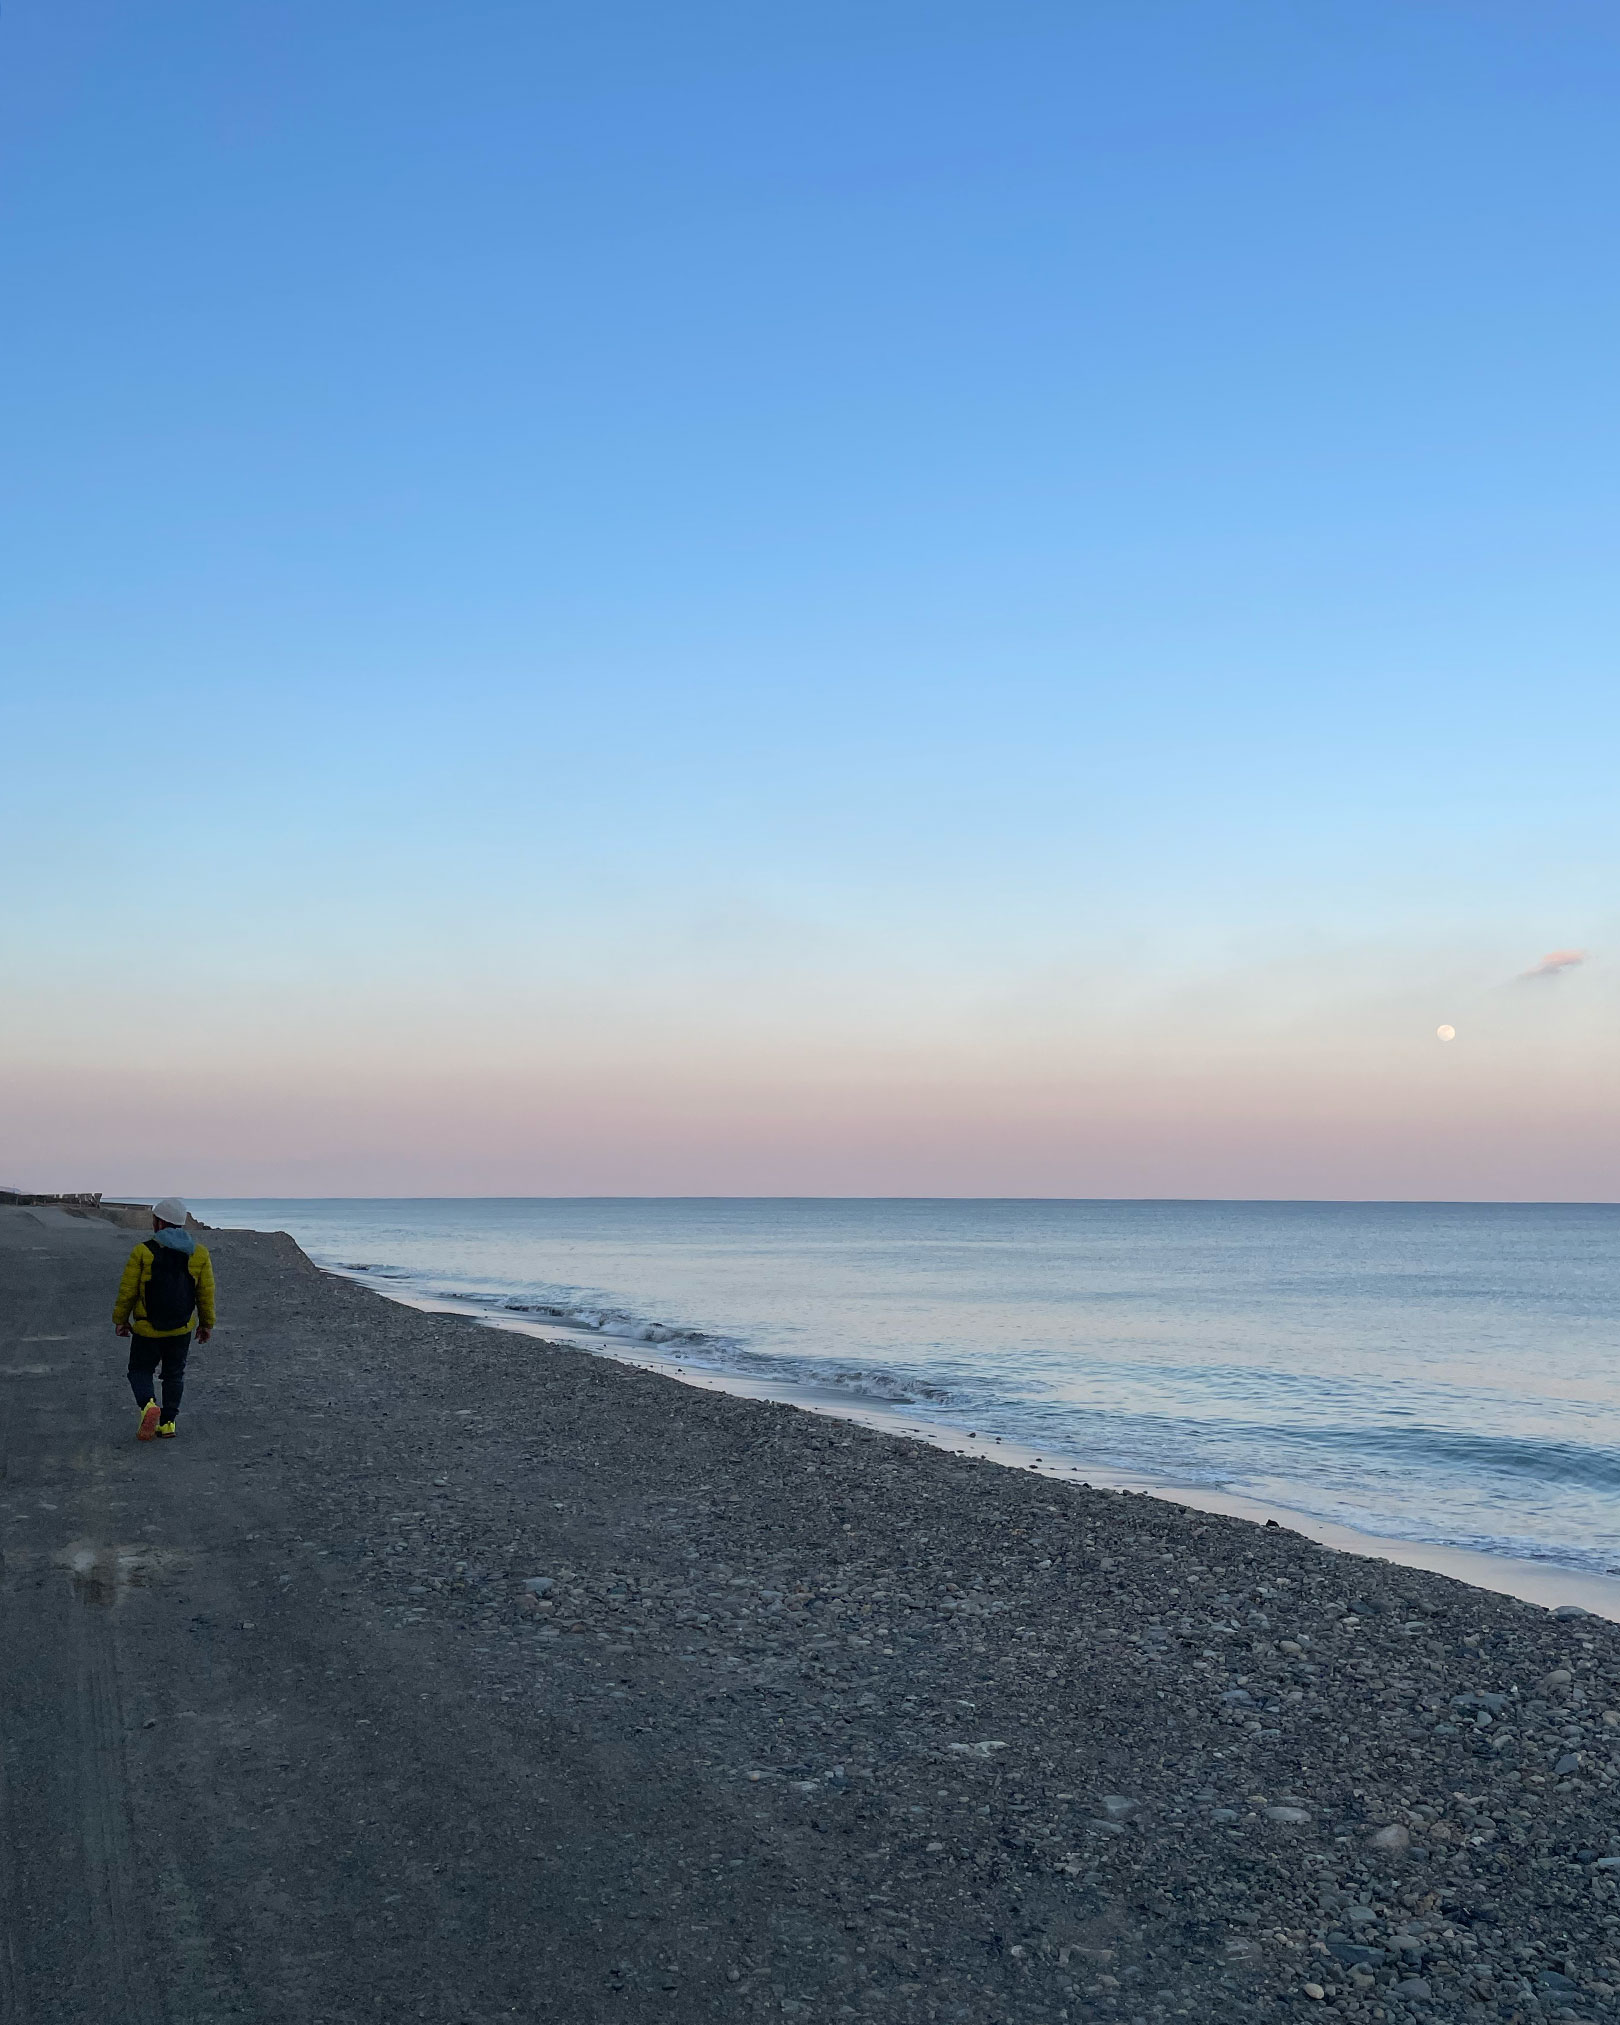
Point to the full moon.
(1445, 1033)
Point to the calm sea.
(1441, 1373)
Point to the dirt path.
(434, 1674)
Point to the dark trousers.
(146, 1353)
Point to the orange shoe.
(149, 1421)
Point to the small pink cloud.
(1555, 961)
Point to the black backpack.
(170, 1294)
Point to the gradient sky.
(923, 596)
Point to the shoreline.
(440, 1674)
(1546, 1584)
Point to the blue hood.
(174, 1240)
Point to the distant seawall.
(127, 1215)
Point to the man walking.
(166, 1292)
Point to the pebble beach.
(877, 1731)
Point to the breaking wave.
(618, 1329)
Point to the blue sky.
(930, 598)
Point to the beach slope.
(437, 1674)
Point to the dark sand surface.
(812, 1722)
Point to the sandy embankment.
(879, 1731)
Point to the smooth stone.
(1569, 1762)
(1484, 1708)
(1568, 1611)
(1118, 1808)
(1412, 1986)
(1394, 1838)
(1288, 1814)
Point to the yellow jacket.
(130, 1305)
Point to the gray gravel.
(776, 1717)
